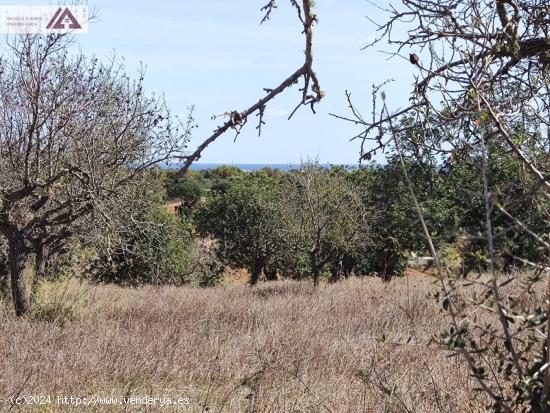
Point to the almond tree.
(327, 219)
(75, 134)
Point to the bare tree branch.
(311, 90)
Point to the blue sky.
(215, 55)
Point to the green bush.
(154, 250)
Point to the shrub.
(154, 250)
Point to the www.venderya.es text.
(94, 400)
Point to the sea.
(200, 166)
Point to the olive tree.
(75, 134)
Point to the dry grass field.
(357, 346)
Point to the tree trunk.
(39, 270)
(315, 267)
(347, 266)
(335, 271)
(17, 263)
(270, 274)
(316, 275)
(256, 273)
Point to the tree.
(396, 231)
(247, 223)
(513, 192)
(328, 220)
(483, 83)
(220, 178)
(189, 189)
(75, 134)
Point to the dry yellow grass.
(281, 347)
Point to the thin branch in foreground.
(311, 91)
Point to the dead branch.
(311, 90)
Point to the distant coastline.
(201, 166)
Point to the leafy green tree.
(516, 199)
(396, 231)
(192, 185)
(220, 178)
(247, 223)
(189, 189)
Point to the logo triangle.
(61, 17)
